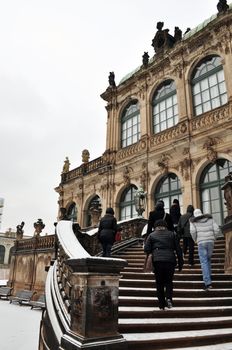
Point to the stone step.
(170, 340)
(183, 293)
(182, 312)
(137, 283)
(128, 325)
(152, 301)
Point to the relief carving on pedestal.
(102, 302)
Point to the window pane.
(214, 193)
(198, 110)
(222, 87)
(216, 102)
(204, 84)
(212, 80)
(220, 76)
(224, 99)
(197, 99)
(206, 107)
(214, 91)
(205, 96)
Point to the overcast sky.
(55, 58)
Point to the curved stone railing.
(81, 298)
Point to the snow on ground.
(19, 326)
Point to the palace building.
(169, 129)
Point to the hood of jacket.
(202, 218)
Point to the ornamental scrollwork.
(177, 131)
(163, 163)
(209, 145)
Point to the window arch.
(2, 254)
(165, 109)
(168, 188)
(127, 203)
(130, 124)
(212, 197)
(208, 85)
(72, 212)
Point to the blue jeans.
(205, 251)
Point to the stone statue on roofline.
(85, 156)
(222, 6)
(145, 59)
(111, 79)
(19, 231)
(66, 166)
(163, 40)
(39, 226)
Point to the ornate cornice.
(131, 150)
(180, 130)
(218, 116)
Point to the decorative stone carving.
(145, 59)
(111, 80)
(228, 193)
(173, 133)
(85, 156)
(162, 39)
(209, 146)
(213, 118)
(102, 302)
(39, 226)
(144, 176)
(19, 231)
(222, 6)
(163, 163)
(131, 150)
(66, 166)
(95, 212)
(126, 175)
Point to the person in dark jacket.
(158, 214)
(183, 231)
(175, 213)
(164, 247)
(106, 231)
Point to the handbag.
(148, 265)
(118, 236)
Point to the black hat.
(160, 223)
(110, 211)
(159, 204)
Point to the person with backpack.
(106, 231)
(183, 231)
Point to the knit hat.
(197, 212)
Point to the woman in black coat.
(164, 247)
(106, 231)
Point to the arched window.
(208, 85)
(212, 197)
(72, 212)
(165, 109)
(2, 254)
(130, 127)
(127, 203)
(168, 189)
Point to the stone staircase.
(198, 320)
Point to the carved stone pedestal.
(227, 231)
(94, 305)
(227, 227)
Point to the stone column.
(94, 304)
(227, 227)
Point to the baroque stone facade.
(173, 151)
